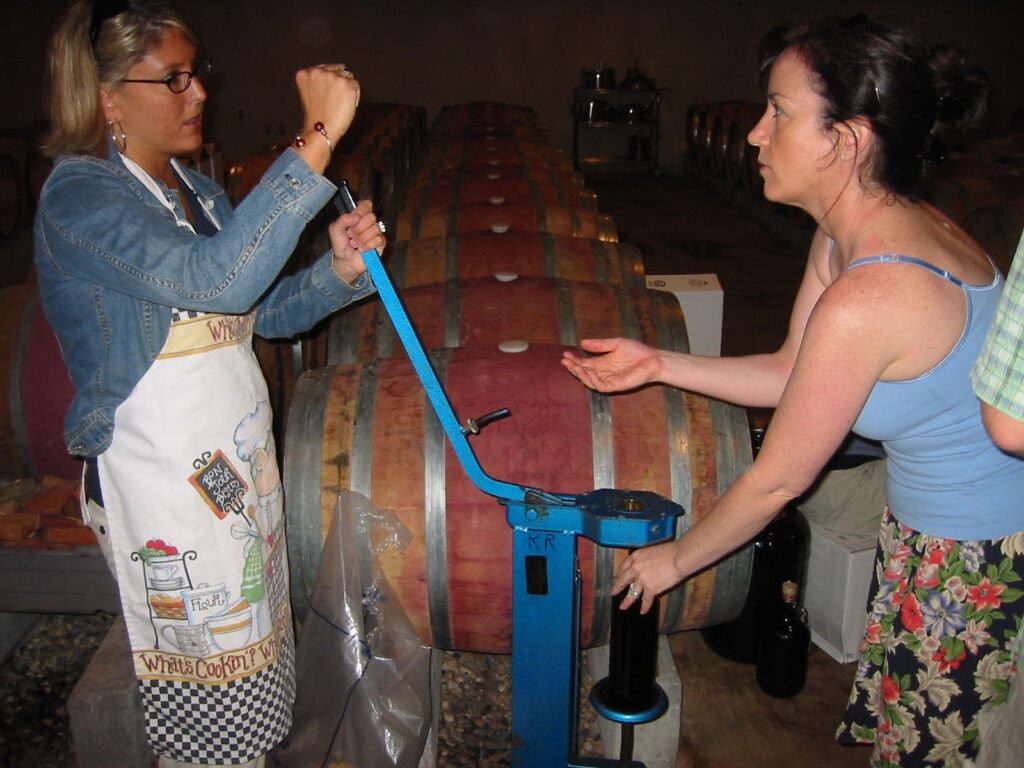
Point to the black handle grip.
(343, 199)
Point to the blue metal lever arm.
(435, 393)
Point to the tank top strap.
(899, 258)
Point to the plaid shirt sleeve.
(998, 375)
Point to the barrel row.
(979, 183)
(495, 304)
(374, 156)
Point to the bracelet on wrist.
(319, 128)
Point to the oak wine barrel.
(722, 133)
(452, 153)
(477, 191)
(35, 391)
(488, 310)
(503, 217)
(528, 254)
(496, 169)
(368, 428)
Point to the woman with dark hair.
(155, 286)
(889, 318)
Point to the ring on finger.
(347, 73)
(634, 592)
(383, 228)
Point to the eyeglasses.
(178, 82)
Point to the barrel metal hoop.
(435, 519)
(547, 244)
(361, 456)
(670, 335)
(398, 263)
(451, 261)
(451, 219)
(732, 457)
(566, 313)
(628, 314)
(682, 489)
(603, 441)
(602, 260)
(452, 313)
(343, 336)
(542, 217)
(302, 470)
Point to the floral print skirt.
(937, 651)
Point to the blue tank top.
(945, 476)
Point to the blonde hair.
(77, 70)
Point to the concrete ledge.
(105, 708)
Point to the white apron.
(193, 499)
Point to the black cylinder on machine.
(633, 656)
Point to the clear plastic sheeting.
(363, 679)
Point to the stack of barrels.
(502, 260)
(375, 156)
(34, 388)
(979, 183)
(717, 143)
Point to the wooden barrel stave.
(480, 191)
(527, 254)
(35, 389)
(459, 594)
(487, 217)
(486, 311)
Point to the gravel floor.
(40, 673)
(476, 708)
(35, 681)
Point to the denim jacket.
(112, 261)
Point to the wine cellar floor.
(727, 721)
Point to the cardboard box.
(836, 591)
(701, 298)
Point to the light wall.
(526, 52)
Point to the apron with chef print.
(193, 499)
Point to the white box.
(701, 298)
(836, 591)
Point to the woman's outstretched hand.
(619, 364)
(352, 234)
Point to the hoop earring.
(123, 145)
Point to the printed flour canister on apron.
(369, 428)
(489, 310)
(527, 254)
